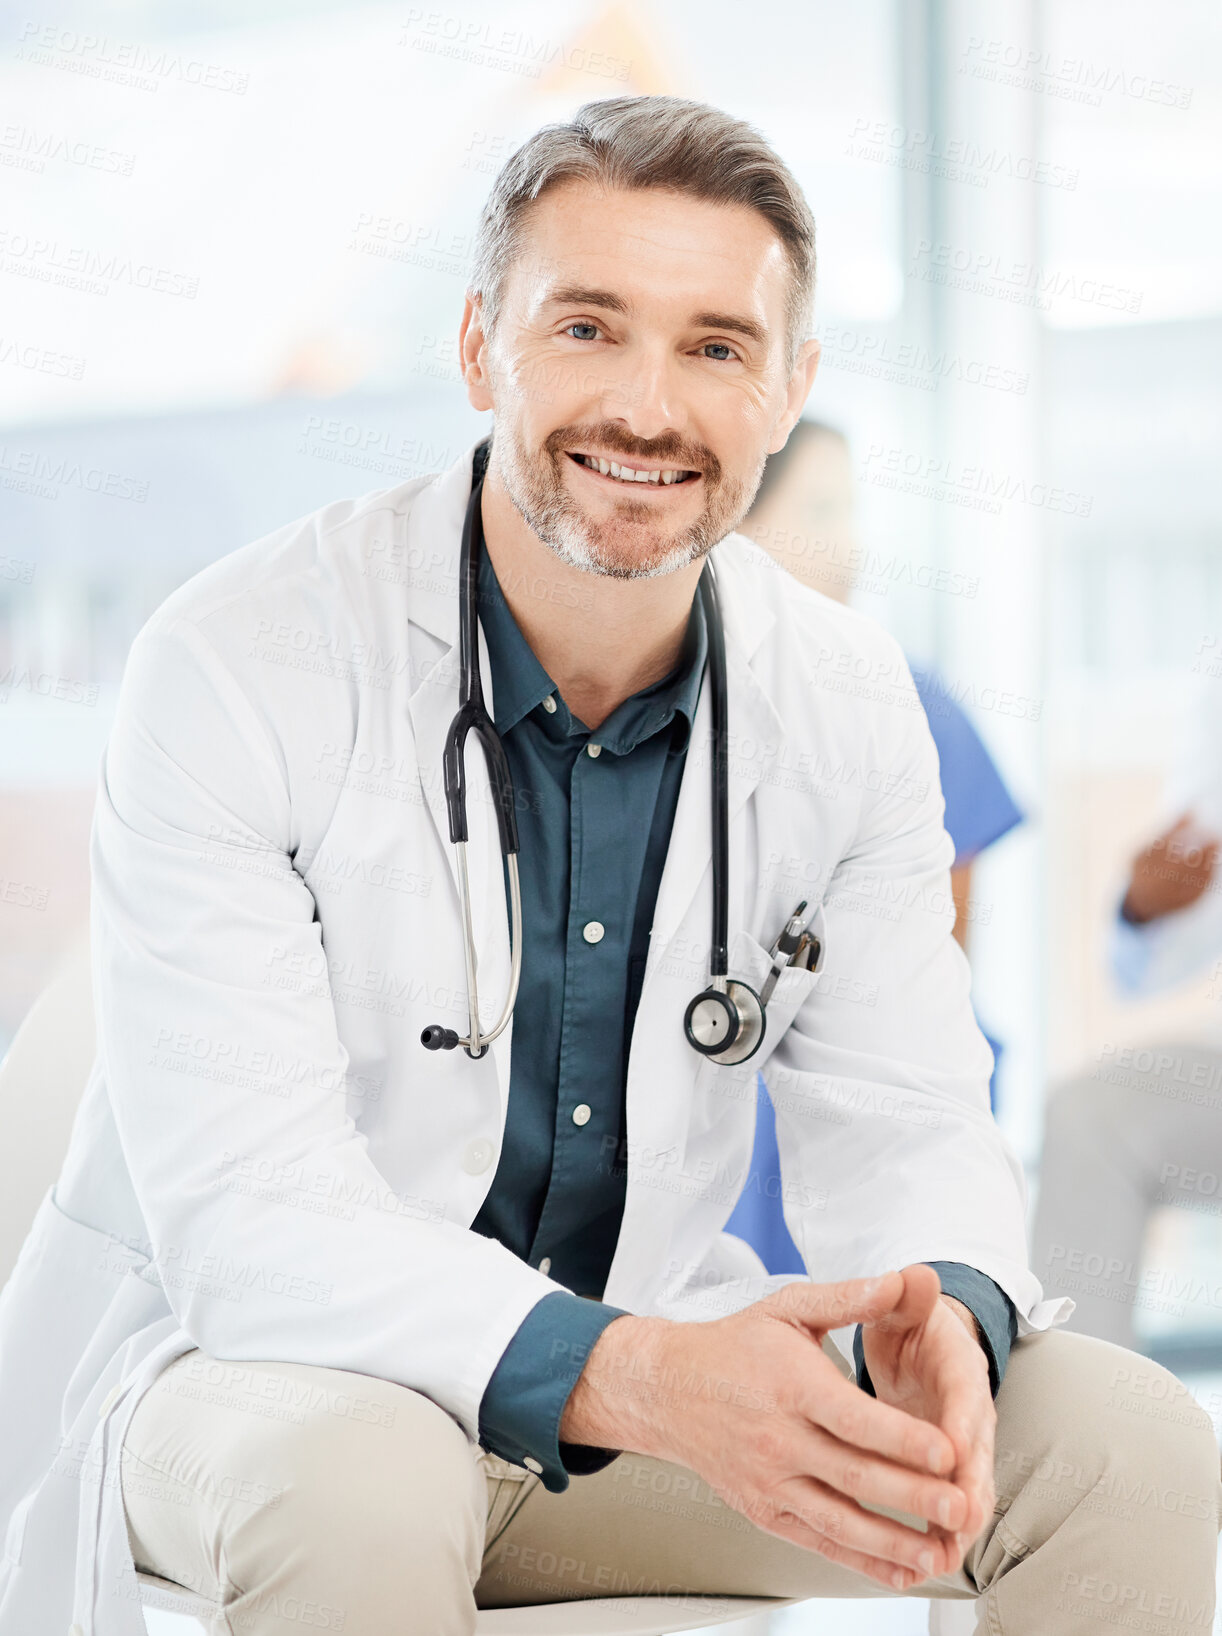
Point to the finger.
(977, 1481)
(868, 1479)
(955, 1366)
(788, 1527)
(922, 1286)
(959, 1378)
(862, 1421)
(1190, 831)
(979, 1490)
(963, 1413)
(926, 1555)
(820, 1307)
(1184, 827)
(973, 1436)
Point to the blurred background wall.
(233, 247)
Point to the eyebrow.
(580, 295)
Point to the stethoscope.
(726, 1021)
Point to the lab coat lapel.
(662, 1067)
(755, 736)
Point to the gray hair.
(647, 142)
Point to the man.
(352, 1314)
(1144, 1128)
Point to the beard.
(635, 542)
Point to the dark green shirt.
(594, 812)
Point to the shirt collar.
(520, 684)
(519, 681)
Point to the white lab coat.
(267, 1164)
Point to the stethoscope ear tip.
(437, 1038)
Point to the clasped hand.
(801, 1451)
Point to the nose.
(647, 400)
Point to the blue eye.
(727, 350)
(581, 324)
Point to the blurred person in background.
(804, 517)
(1143, 1129)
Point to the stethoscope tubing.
(472, 715)
(719, 959)
(476, 1043)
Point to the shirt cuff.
(987, 1302)
(524, 1401)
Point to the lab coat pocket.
(723, 1094)
(752, 961)
(798, 982)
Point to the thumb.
(820, 1307)
(921, 1289)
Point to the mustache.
(607, 436)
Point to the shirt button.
(477, 1158)
(594, 751)
(581, 1114)
(532, 1464)
(593, 931)
(545, 1266)
(549, 704)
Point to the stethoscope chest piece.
(726, 1025)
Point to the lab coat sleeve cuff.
(523, 1402)
(991, 1307)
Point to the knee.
(372, 1471)
(1088, 1417)
(1170, 1438)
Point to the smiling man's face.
(636, 372)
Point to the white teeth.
(630, 474)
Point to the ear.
(796, 393)
(473, 352)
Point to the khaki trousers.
(310, 1499)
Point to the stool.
(612, 1616)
